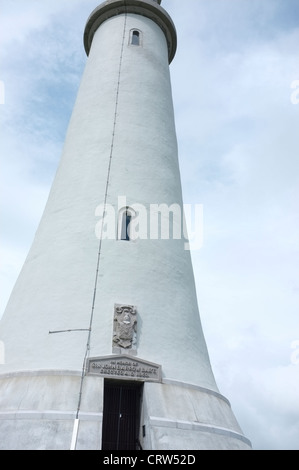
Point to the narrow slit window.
(135, 40)
(125, 226)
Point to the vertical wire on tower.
(87, 349)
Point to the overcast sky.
(237, 119)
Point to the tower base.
(38, 412)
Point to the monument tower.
(103, 341)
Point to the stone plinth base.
(38, 411)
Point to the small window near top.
(135, 38)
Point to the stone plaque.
(124, 367)
(124, 327)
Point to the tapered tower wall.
(124, 101)
(120, 150)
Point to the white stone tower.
(103, 342)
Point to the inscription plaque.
(124, 367)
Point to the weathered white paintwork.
(122, 127)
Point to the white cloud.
(267, 401)
(238, 140)
(20, 18)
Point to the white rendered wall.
(55, 288)
(122, 120)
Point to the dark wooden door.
(121, 415)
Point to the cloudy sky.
(237, 119)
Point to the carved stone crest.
(125, 327)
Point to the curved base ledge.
(52, 415)
(77, 373)
(199, 427)
(38, 410)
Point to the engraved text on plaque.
(124, 367)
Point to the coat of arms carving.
(125, 327)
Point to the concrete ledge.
(44, 390)
(196, 387)
(49, 415)
(193, 426)
(41, 372)
(76, 373)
